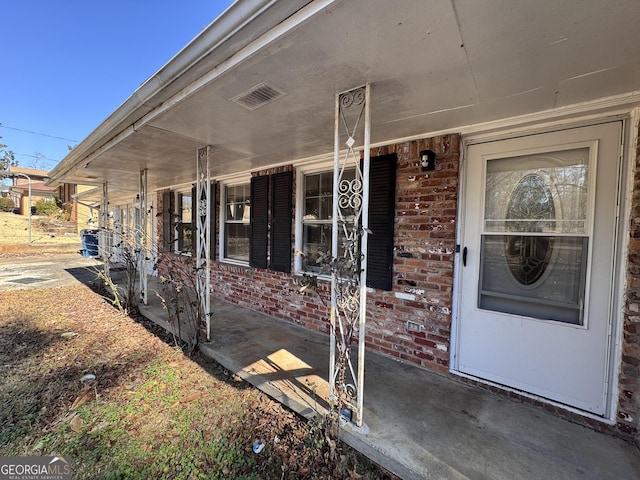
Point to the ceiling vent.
(258, 96)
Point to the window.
(179, 221)
(315, 214)
(184, 225)
(534, 247)
(317, 217)
(237, 213)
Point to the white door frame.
(631, 122)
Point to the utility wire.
(39, 157)
(38, 133)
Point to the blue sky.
(68, 64)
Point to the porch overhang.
(437, 66)
(93, 196)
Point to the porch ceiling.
(436, 65)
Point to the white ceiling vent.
(258, 96)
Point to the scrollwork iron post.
(103, 224)
(202, 210)
(142, 235)
(349, 246)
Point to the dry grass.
(14, 229)
(151, 412)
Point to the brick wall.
(629, 395)
(413, 321)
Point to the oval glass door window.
(534, 245)
(528, 256)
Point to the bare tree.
(7, 157)
(38, 160)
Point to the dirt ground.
(14, 229)
(114, 394)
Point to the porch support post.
(203, 234)
(104, 231)
(117, 236)
(349, 247)
(143, 236)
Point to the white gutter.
(232, 20)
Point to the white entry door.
(538, 254)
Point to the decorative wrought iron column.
(349, 246)
(104, 232)
(203, 233)
(117, 235)
(143, 235)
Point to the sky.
(68, 64)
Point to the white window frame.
(237, 181)
(301, 172)
(176, 227)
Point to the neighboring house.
(81, 213)
(41, 189)
(19, 189)
(514, 263)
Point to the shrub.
(6, 204)
(65, 212)
(44, 207)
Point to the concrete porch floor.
(417, 424)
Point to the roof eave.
(236, 17)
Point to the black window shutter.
(382, 193)
(259, 221)
(281, 216)
(194, 218)
(180, 228)
(167, 221)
